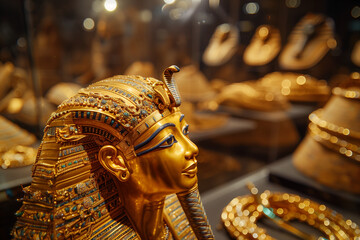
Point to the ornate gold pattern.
(241, 214)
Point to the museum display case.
(269, 89)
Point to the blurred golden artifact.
(345, 80)
(12, 135)
(297, 87)
(107, 48)
(251, 95)
(48, 51)
(193, 85)
(330, 152)
(17, 98)
(308, 43)
(145, 69)
(242, 213)
(223, 45)
(355, 54)
(265, 45)
(18, 156)
(13, 86)
(116, 163)
(62, 91)
(202, 122)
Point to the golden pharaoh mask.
(94, 164)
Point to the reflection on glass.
(355, 12)
(110, 5)
(88, 24)
(251, 8)
(293, 3)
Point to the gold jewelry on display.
(347, 93)
(241, 214)
(297, 87)
(326, 133)
(18, 156)
(251, 95)
(315, 118)
(334, 143)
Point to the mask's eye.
(167, 142)
(186, 130)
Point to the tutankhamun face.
(166, 157)
(116, 162)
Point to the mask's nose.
(191, 149)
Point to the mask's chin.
(187, 183)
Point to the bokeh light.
(110, 5)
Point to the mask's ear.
(114, 162)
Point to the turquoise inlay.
(112, 122)
(106, 118)
(174, 219)
(19, 214)
(269, 212)
(74, 208)
(67, 209)
(187, 234)
(88, 115)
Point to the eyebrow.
(154, 135)
(182, 117)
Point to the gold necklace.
(315, 117)
(334, 143)
(241, 214)
(352, 94)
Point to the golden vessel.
(115, 162)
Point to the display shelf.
(13, 177)
(216, 199)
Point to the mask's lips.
(191, 170)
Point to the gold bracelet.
(334, 143)
(315, 117)
(241, 214)
(352, 94)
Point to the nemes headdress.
(71, 195)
